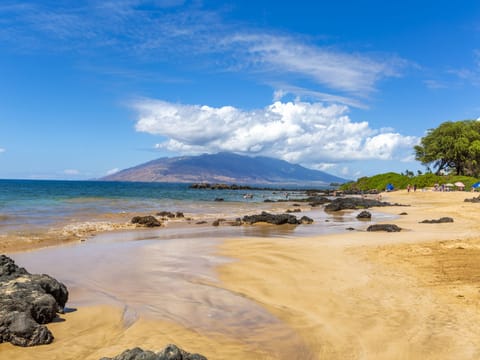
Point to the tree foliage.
(452, 147)
(399, 181)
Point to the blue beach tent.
(476, 185)
(389, 187)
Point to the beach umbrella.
(389, 187)
(459, 184)
(476, 185)
(449, 185)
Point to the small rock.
(148, 221)
(364, 215)
(306, 220)
(384, 227)
(438, 221)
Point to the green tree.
(452, 147)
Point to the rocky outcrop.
(355, 203)
(27, 302)
(445, 219)
(364, 215)
(148, 221)
(276, 219)
(220, 186)
(473, 200)
(384, 227)
(171, 352)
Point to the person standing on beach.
(414, 187)
(408, 188)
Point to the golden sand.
(358, 295)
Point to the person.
(414, 187)
(408, 188)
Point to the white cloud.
(353, 73)
(113, 171)
(71, 172)
(308, 133)
(2, 150)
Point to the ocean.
(39, 203)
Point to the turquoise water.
(42, 202)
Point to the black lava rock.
(384, 227)
(355, 203)
(276, 219)
(148, 221)
(364, 215)
(171, 352)
(27, 302)
(438, 221)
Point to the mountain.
(224, 168)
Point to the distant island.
(225, 168)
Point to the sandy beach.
(355, 295)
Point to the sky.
(347, 87)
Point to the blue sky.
(90, 87)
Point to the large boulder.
(171, 352)
(27, 302)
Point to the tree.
(452, 147)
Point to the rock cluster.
(276, 219)
(171, 215)
(445, 219)
(27, 302)
(473, 200)
(355, 203)
(171, 352)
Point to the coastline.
(350, 295)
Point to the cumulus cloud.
(312, 134)
(2, 150)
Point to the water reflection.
(165, 279)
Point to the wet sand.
(356, 295)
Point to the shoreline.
(349, 295)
